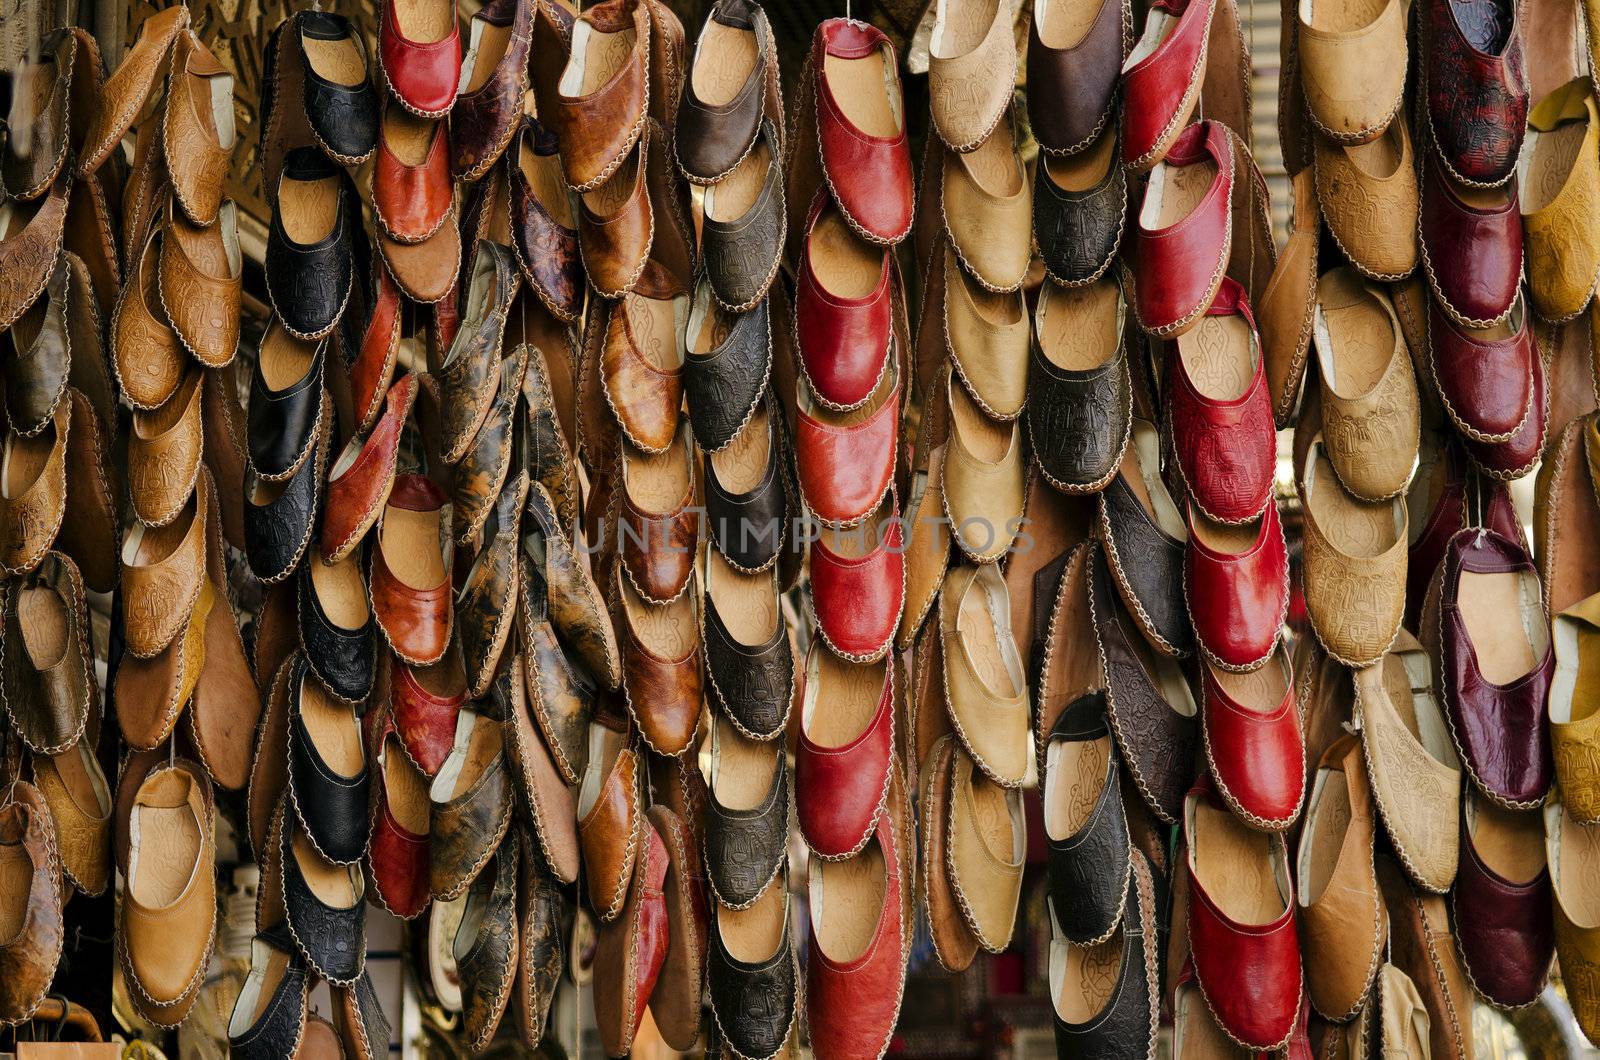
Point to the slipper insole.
(543, 174)
(851, 896)
(1078, 327)
(732, 197)
(1075, 775)
(166, 842)
(754, 934)
(1361, 334)
(1495, 610)
(654, 325)
(411, 549)
(45, 626)
(979, 623)
(338, 61)
(845, 265)
(1218, 355)
(333, 727)
(25, 459)
(1063, 23)
(1510, 842)
(1084, 170)
(492, 42)
(723, 62)
(658, 482)
(309, 208)
(285, 360)
(746, 603)
(1579, 868)
(1090, 977)
(339, 589)
(985, 439)
(741, 777)
(1260, 691)
(1551, 157)
(16, 879)
(668, 630)
(993, 166)
(867, 91)
(844, 699)
(743, 464)
(1235, 866)
(408, 136)
(1141, 470)
(332, 884)
(424, 21)
(1353, 526)
(1327, 822)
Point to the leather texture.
(598, 129)
(752, 683)
(1499, 729)
(1574, 939)
(1253, 742)
(985, 692)
(544, 234)
(310, 283)
(1158, 91)
(1353, 75)
(675, 1003)
(1126, 1024)
(1226, 450)
(145, 355)
(1475, 88)
(657, 547)
(342, 657)
(1090, 868)
(1504, 927)
(1079, 419)
(74, 787)
(1078, 232)
(986, 205)
(37, 366)
(765, 505)
(712, 138)
(1145, 559)
(1486, 231)
(1181, 264)
(411, 201)
(422, 75)
(663, 692)
(50, 88)
(869, 176)
(609, 833)
(968, 89)
(742, 254)
(632, 949)
(858, 599)
(485, 960)
(198, 149)
(986, 335)
(331, 938)
(330, 806)
(843, 342)
(641, 366)
(541, 910)
(31, 512)
(162, 572)
(29, 959)
(1356, 183)
(1073, 86)
(470, 369)
(486, 601)
(745, 848)
(397, 857)
(1249, 973)
(28, 250)
(1562, 232)
(1159, 741)
(415, 621)
(617, 229)
(724, 383)
(1517, 456)
(485, 117)
(277, 1027)
(1354, 569)
(47, 683)
(839, 789)
(574, 600)
(164, 450)
(1238, 602)
(539, 788)
(753, 1001)
(361, 479)
(344, 117)
(425, 715)
(283, 426)
(1485, 383)
(471, 807)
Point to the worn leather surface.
(753, 684)
(397, 858)
(858, 600)
(1353, 186)
(1078, 232)
(145, 354)
(32, 513)
(839, 789)
(725, 382)
(989, 711)
(853, 1002)
(486, 962)
(1562, 237)
(469, 817)
(481, 474)
(1072, 89)
(641, 369)
(1575, 741)
(344, 117)
(1475, 89)
(74, 788)
(484, 119)
(1089, 869)
(1079, 420)
(129, 86)
(561, 697)
(986, 208)
(1422, 946)
(675, 1001)
(1575, 939)
(1226, 451)
(416, 622)
(753, 1001)
(343, 659)
(1145, 560)
(1472, 254)
(1355, 601)
(359, 1020)
(330, 806)
(745, 848)
(197, 149)
(164, 450)
(1499, 729)
(631, 950)
(411, 202)
(1504, 927)
(1158, 743)
(546, 247)
(658, 547)
(843, 342)
(49, 688)
(541, 912)
(310, 284)
(279, 517)
(357, 489)
(969, 92)
(540, 792)
(159, 586)
(422, 75)
(487, 600)
(663, 693)
(469, 372)
(282, 426)
(1249, 973)
(278, 1027)
(1416, 785)
(150, 693)
(425, 719)
(28, 249)
(1159, 89)
(426, 272)
(90, 528)
(47, 94)
(609, 833)
(1342, 926)
(1125, 1026)
(575, 604)
(550, 456)
(712, 138)
(1254, 745)
(599, 129)
(1516, 457)
(40, 357)
(332, 939)
(617, 231)
(869, 176)
(1181, 264)
(1353, 76)
(742, 255)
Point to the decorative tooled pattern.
(1078, 422)
(483, 122)
(754, 1004)
(540, 918)
(1370, 216)
(752, 684)
(1123, 972)
(1416, 797)
(1475, 86)
(29, 251)
(466, 831)
(746, 848)
(547, 251)
(309, 285)
(343, 118)
(276, 533)
(1359, 598)
(489, 965)
(468, 375)
(1089, 869)
(36, 377)
(742, 256)
(1078, 233)
(725, 384)
(331, 939)
(727, 516)
(562, 704)
(1151, 581)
